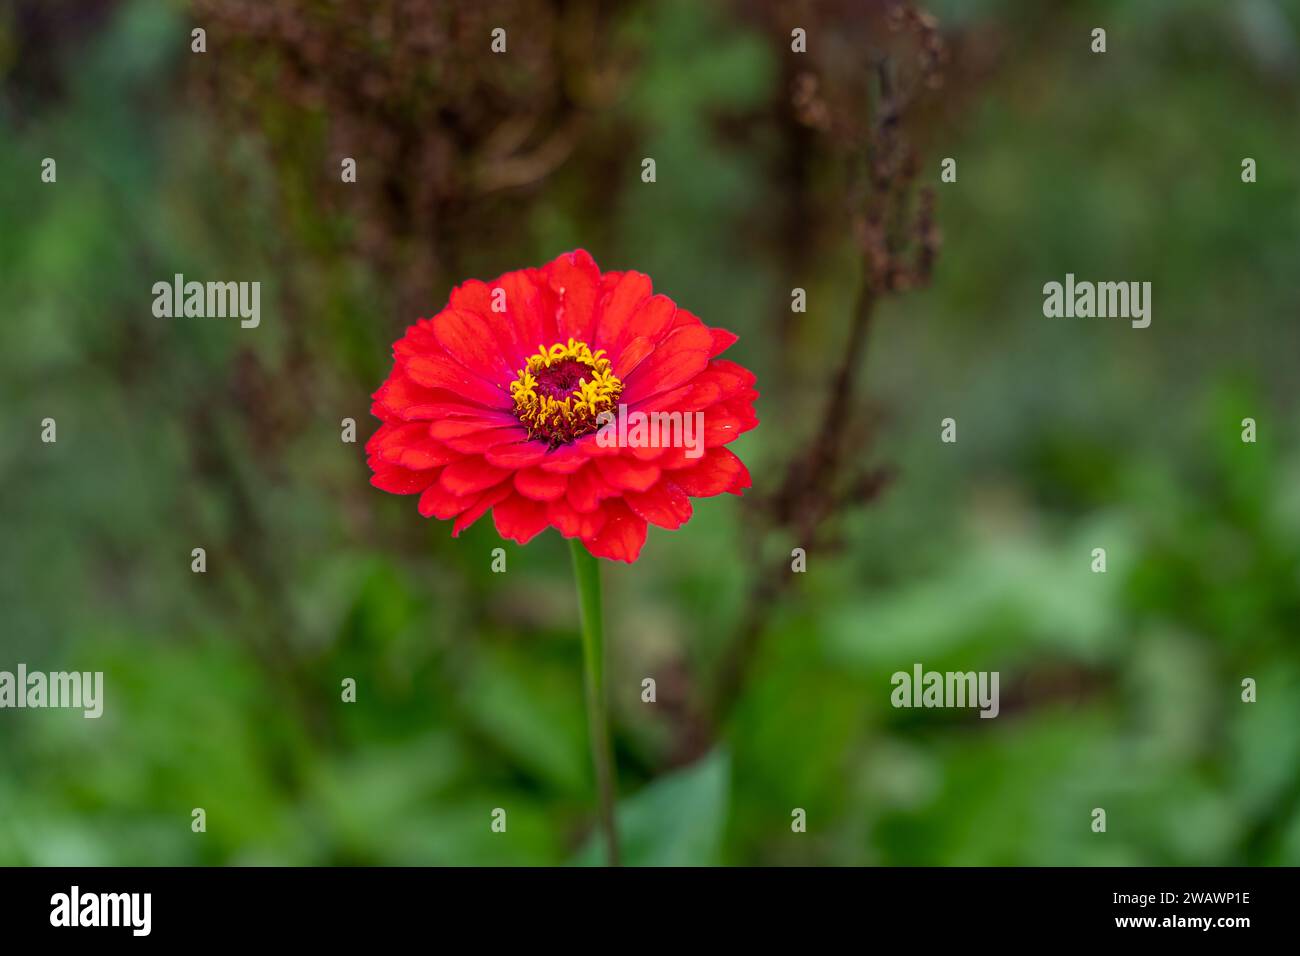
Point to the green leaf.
(678, 820)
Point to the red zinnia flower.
(496, 402)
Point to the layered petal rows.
(490, 407)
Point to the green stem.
(586, 572)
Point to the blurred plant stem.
(586, 573)
(893, 227)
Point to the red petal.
(417, 340)
(718, 471)
(473, 343)
(441, 371)
(571, 523)
(565, 460)
(722, 340)
(411, 447)
(394, 436)
(469, 475)
(590, 447)
(621, 536)
(463, 425)
(628, 473)
(401, 398)
(722, 380)
(678, 457)
(686, 317)
(486, 439)
(530, 308)
(723, 424)
(665, 505)
(645, 452)
(586, 489)
(519, 518)
(690, 397)
(477, 298)
(702, 394)
(653, 320)
(731, 378)
(540, 485)
(401, 481)
(620, 305)
(472, 296)
(501, 327)
(741, 481)
(575, 279)
(519, 454)
(450, 408)
(438, 502)
(632, 355)
(676, 360)
(479, 507)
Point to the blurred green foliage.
(1119, 690)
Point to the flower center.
(561, 390)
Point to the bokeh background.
(1119, 690)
